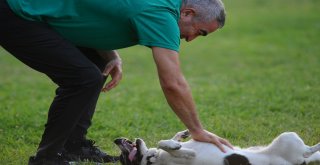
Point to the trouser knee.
(81, 79)
(90, 78)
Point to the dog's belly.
(209, 154)
(206, 153)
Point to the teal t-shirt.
(108, 24)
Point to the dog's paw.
(181, 135)
(169, 145)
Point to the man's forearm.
(180, 100)
(176, 88)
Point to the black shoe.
(85, 150)
(54, 160)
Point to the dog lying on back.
(287, 149)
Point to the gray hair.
(208, 10)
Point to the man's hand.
(113, 68)
(206, 136)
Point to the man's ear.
(187, 12)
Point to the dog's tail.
(311, 150)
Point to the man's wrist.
(110, 55)
(196, 131)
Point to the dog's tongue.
(132, 154)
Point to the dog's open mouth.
(127, 147)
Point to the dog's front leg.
(174, 148)
(169, 145)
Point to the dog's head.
(129, 152)
(135, 153)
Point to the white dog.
(286, 149)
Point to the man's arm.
(178, 95)
(113, 68)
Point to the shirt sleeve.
(157, 28)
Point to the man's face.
(190, 29)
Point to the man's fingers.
(116, 75)
(106, 71)
(206, 136)
(113, 83)
(108, 86)
(220, 146)
(221, 143)
(227, 143)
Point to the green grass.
(252, 80)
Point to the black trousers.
(76, 71)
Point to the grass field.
(252, 80)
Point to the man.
(74, 43)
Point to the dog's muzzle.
(126, 146)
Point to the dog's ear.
(236, 159)
(141, 146)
